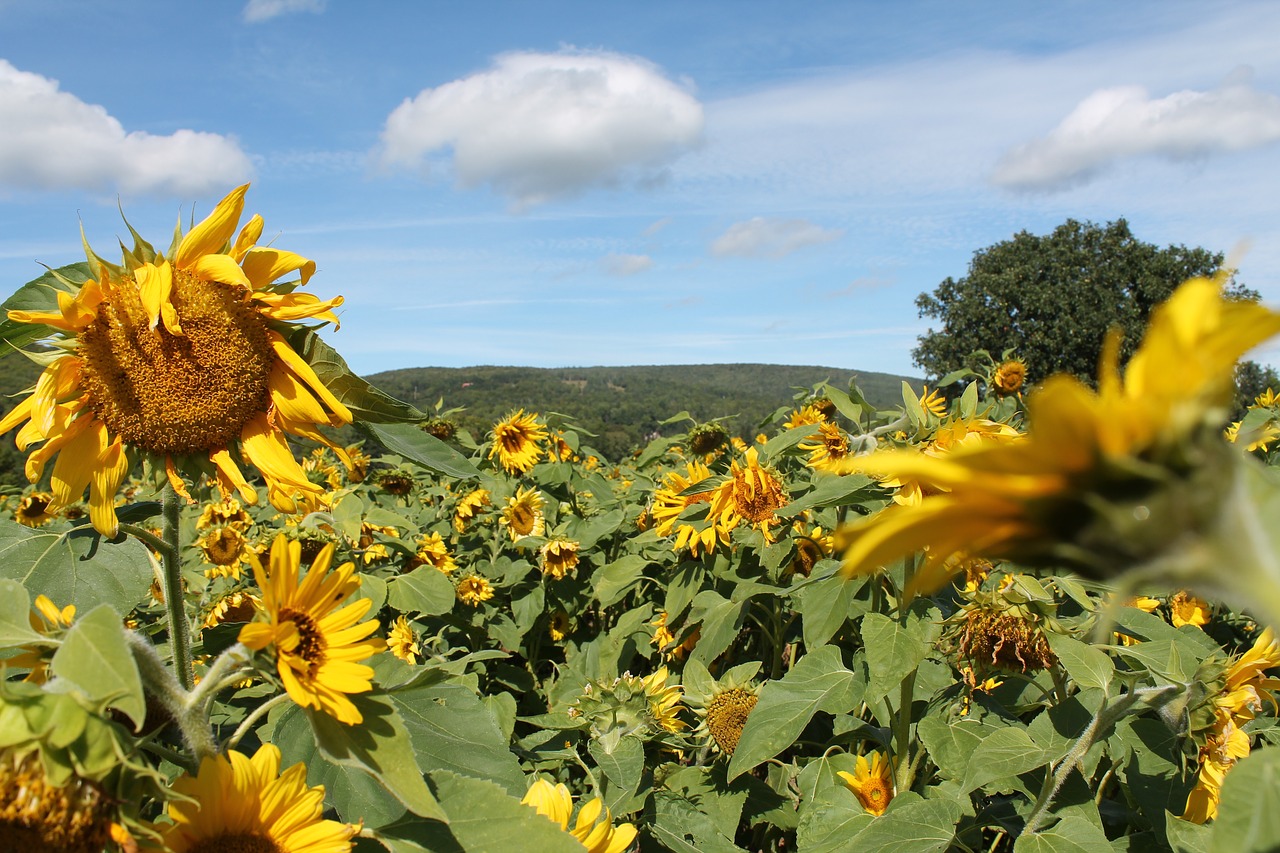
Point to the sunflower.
(594, 827)
(515, 441)
(1187, 609)
(812, 545)
(238, 803)
(468, 508)
(474, 590)
(38, 815)
(238, 606)
(224, 513)
(522, 516)
(318, 647)
(933, 402)
(805, 416)
(723, 704)
(559, 557)
(1132, 475)
(33, 510)
(871, 782)
(559, 626)
(223, 548)
(1008, 377)
(432, 550)
(664, 700)
(752, 494)
(677, 495)
(179, 358)
(402, 642)
(828, 449)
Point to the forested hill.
(622, 405)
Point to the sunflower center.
(37, 817)
(242, 843)
(177, 394)
(223, 548)
(311, 643)
(727, 714)
(34, 505)
(759, 503)
(523, 519)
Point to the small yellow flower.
(474, 590)
(33, 510)
(1186, 609)
(871, 782)
(933, 402)
(223, 548)
(828, 449)
(402, 642)
(433, 550)
(468, 508)
(1009, 377)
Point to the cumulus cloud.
(1118, 123)
(625, 265)
(761, 237)
(256, 11)
(537, 126)
(51, 139)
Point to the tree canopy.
(1052, 298)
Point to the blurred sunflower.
(1187, 609)
(594, 827)
(468, 508)
(33, 510)
(1008, 377)
(515, 441)
(474, 590)
(559, 626)
(179, 358)
(871, 782)
(432, 550)
(238, 803)
(318, 646)
(38, 813)
(238, 606)
(223, 548)
(402, 642)
(805, 416)
(522, 516)
(828, 449)
(1132, 477)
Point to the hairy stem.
(174, 600)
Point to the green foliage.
(1052, 298)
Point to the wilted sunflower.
(559, 557)
(468, 508)
(522, 516)
(432, 550)
(474, 590)
(33, 510)
(1008, 377)
(594, 827)
(515, 441)
(402, 642)
(238, 803)
(1132, 477)
(828, 449)
(318, 646)
(223, 548)
(871, 782)
(179, 358)
(707, 438)
(751, 495)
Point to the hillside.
(622, 405)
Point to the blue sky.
(573, 184)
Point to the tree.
(1053, 298)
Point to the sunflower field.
(997, 619)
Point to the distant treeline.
(621, 406)
(624, 406)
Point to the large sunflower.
(246, 804)
(182, 358)
(318, 646)
(515, 441)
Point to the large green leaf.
(721, 619)
(366, 402)
(1087, 666)
(622, 760)
(613, 580)
(40, 294)
(680, 825)
(379, 746)
(76, 566)
(424, 590)
(824, 606)
(951, 744)
(1249, 813)
(1070, 835)
(95, 657)
(420, 448)
(15, 615)
(894, 650)
(832, 491)
(916, 826)
(832, 827)
(786, 706)
(452, 730)
(1007, 752)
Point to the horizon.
(673, 184)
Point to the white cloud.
(256, 11)
(51, 139)
(771, 238)
(625, 265)
(538, 126)
(1122, 122)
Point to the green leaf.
(824, 606)
(680, 825)
(420, 448)
(1070, 835)
(950, 745)
(95, 657)
(721, 620)
(1087, 666)
(1004, 753)
(366, 402)
(894, 650)
(15, 615)
(452, 730)
(1185, 836)
(424, 590)
(832, 827)
(41, 294)
(76, 566)
(379, 746)
(1249, 812)
(917, 826)
(832, 491)
(613, 580)
(786, 706)
(482, 817)
(622, 760)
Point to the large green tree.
(1052, 298)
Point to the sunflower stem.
(146, 537)
(159, 681)
(225, 668)
(256, 714)
(174, 601)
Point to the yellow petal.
(155, 289)
(220, 268)
(214, 232)
(247, 238)
(263, 266)
(304, 372)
